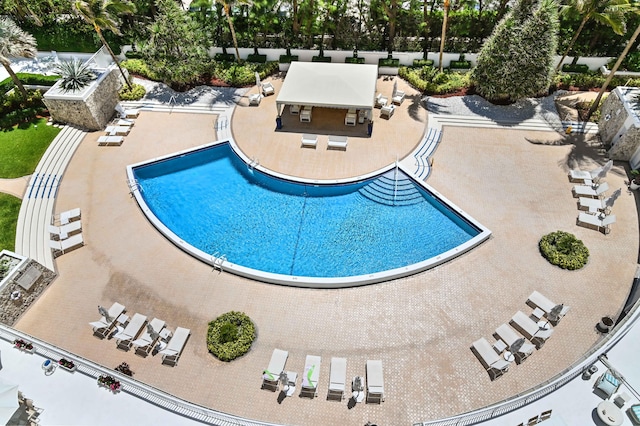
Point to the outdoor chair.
(584, 175)
(495, 365)
(271, 375)
(63, 246)
(69, 216)
(337, 378)
(172, 352)
(387, 111)
(375, 381)
(380, 101)
(530, 329)
(309, 141)
(599, 223)
(545, 415)
(125, 122)
(337, 142)
(254, 99)
(110, 140)
(268, 89)
(593, 205)
(103, 326)
(309, 387)
(607, 384)
(131, 331)
(63, 232)
(537, 299)
(126, 113)
(398, 97)
(117, 130)
(145, 343)
(590, 191)
(510, 337)
(634, 413)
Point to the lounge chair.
(597, 222)
(125, 122)
(509, 336)
(103, 326)
(271, 376)
(381, 101)
(268, 89)
(398, 97)
(375, 381)
(145, 343)
(309, 140)
(255, 98)
(337, 142)
(63, 232)
(387, 111)
(131, 331)
(337, 378)
(172, 352)
(584, 175)
(126, 113)
(593, 205)
(607, 384)
(63, 246)
(590, 191)
(530, 329)
(70, 215)
(110, 140)
(117, 130)
(537, 299)
(310, 376)
(495, 365)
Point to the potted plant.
(23, 345)
(124, 369)
(634, 182)
(65, 364)
(109, 382)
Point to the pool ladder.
(218, 261)
(133, 186)
(253, 164)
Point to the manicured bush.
(422, 63)
(230, 335)
(321, 59)
(388, 62)
(287, 59)
(431, 82)
(238, 75)
(136, 92)
(259, 59)
(224, 57)
(354, 60)
(564, 250)
(463, 65)
(577, 68)
(138, 67)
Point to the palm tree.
(596, 102)
(444, 31)
(14, 42)
(226, 6)
(103, 14)
(606, 12)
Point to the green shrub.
(354, 60)
(238, 75)
(287, 59)
(260, 59)
(422, 63)
(138, 67)
(133, 54)
(430, 81)
(224, 57)
(577, 68)
(321, 59)
(136, 93)
(230, 335)
(388, 62)
(461, 65)
(564, 250)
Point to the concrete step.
(192, 108)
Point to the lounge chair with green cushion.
(271, 376)
(607, 384)
(311, 376)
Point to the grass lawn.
(9, 208)
(22, 147)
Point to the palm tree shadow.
(586, 149)
(415, 108)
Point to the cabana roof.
(329, 85)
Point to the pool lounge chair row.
(68, 235)
(275, 375)
(591, 197)
(334, 142)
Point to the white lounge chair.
(255, 98)
(110, 140)
(63, 232)
(398, 97)
(597, 222)
(70, 215)
(268, 89)
(509, 336)
(117, 130)
(63, 246)
(337, 378)
(145, 343)
(381, 101)
(103, 326)
(126, 113)
(271, 376)
(309, 140)
(584, 175)
(130, 332)
(387, 111)
(310, 376)
(537, 299)
(172, 352)
(495, 365)
(125, 122)
(529, 329)
(375, 381)
(590, 191)
(593, 205)
(337, 142)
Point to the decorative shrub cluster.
(230, 335)
(287, 59)
(388, 62)
(428, 80)
(564, 250)
(110, 382)
(137, 92)
(66, 363)
(138, 67)
(15, 110)
(22, 344)
(577, 68)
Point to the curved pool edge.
(304, 281)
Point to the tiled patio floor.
(420, 327)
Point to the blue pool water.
(212, 201)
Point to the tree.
(516, 61)
(444, 31)
(177, 50)
(606, 12)
(104, 14)
(14, 42)
(596, 102)
(226, 7)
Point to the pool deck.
(421, 327)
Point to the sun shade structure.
(347, 86)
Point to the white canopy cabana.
(329, 85)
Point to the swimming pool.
(211, 203)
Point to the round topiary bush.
(564, 250)
(230, 335)
(136, 93)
